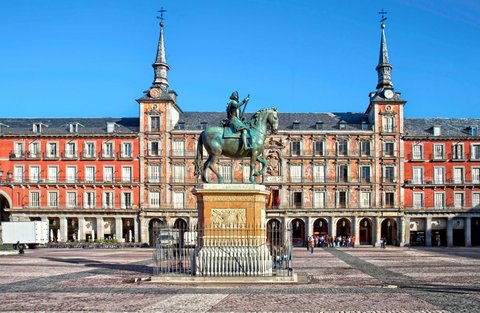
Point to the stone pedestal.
(232, 230)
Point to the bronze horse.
(216, 145)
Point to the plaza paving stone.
(336, 280)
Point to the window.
(342, 126)
(181, 125)
(71, 174)
(71, 199)
(18, 174)
(341, 199)
(178, 199)
(178, 148)
(476, 175)
(365, 174)
(126, 202)
(154, 148)
(108, 174)
(52, 151)
(73, 127)
(296, 173)
(297, 199)
(296, 125)
(439, 175)
(458, 175)
(154, 123)
(457, 151)
(18, 149)
(475, 200)
(438, 153)
(35, 174)
(246, 173)
(126, 174)
(107, 200)
(203, 125)
(418, 200)
(52, 174)
(439, 201)
(70, 150)
(365, 199)
(295, 148)
(154, 198)
(342, 173)
(342, 147)
(52, 199)
(474, 131)
(437, 130)
(89, 150)
(365, 148)
(108, 151)
(319, 125)
(319, 173)
(319, 199)
(388, 149)
(110, 127)
(365, 126)
(417, 152)
(389, 199)
(154, 173)
(319, 148)
(89, 174)
(37, 127)
(475, 153)
(389, 124)
(226, 172)
(89, 199)
(418, 175)
(179, 173)
(459, 200)
(34, 150)
(126, 149)
(389, 174)
(35, 198)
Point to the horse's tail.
(199, 156)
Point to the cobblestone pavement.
(334, 280)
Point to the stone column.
(63, 230)
(356, 229)
(449, 232)
(144, 231)
(81, 228)
(286, 234)
(428, 231)
(468, 232)
(332, 228)
(401, 231)
(136, 226)
(378, 230)
(119, 229)
(406, 231)
(308, 227)
(100, 230)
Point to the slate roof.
(450, 127)
(24, 126)
(307, 121)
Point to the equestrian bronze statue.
(232, 140)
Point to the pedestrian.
(352, 241)
(20, 247)
(383, 243)
(311, 243)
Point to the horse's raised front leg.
(264, 164)
(211, 160)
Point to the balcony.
(30, 155)
(107, 155)
(51, 156)
(87, 156)
(16, 155)
(154, 153)
(70, 181)
(124, 156)
(69, 156)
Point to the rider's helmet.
(234, 96)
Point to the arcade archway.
(4, 206)
(365, 232)
(320, 227)
(343, 227)
(154, 230)
(298, 232)
(389, 231)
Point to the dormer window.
(319, 125)
(474, 131)
(111, 127)
(342, 125)
(37, 127)
(296, 125)
(73, 127)
(2, 126)
(364, 125)
(181, 125)
(203, 125)
(437, 130)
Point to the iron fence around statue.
(223, 251)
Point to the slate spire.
(160, 67)
(384, 69)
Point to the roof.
(307, 121)
(24, 126)
(449, 127)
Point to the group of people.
(326, 241)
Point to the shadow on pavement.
(137, 267)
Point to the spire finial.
(384, 68)
(161, 18)
(383, 19)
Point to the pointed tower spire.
(384, 68)
(160, 67)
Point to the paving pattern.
(333, 280)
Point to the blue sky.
(93, 58)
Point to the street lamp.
(9, 175)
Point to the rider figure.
(235, 117)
